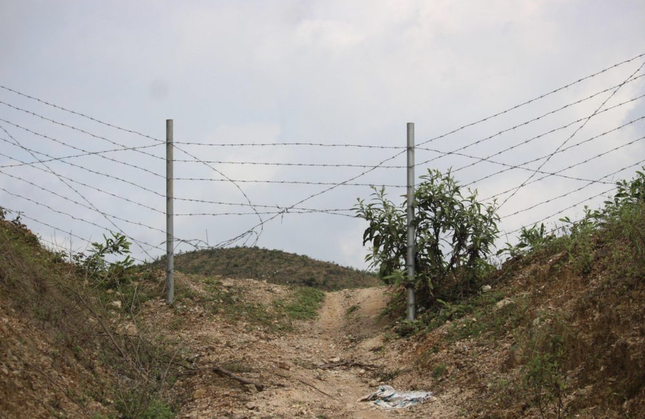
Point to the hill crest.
(274, 266)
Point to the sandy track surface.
(320, 371)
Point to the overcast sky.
(330, 72)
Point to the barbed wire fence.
(77, 176)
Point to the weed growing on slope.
(302, 304)
(544, 372)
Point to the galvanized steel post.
(410, 219)
(170, 234)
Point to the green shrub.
(454, 234)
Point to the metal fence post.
(410, 218)
(170, 234)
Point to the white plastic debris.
(389, 398)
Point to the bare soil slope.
(320, 370)
(546, 340)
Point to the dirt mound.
(46, 365)
(274, 266)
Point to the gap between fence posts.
(410, 218)
(170, 234)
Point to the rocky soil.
(319, 371)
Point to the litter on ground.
(389, 398)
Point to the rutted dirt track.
(320, 371)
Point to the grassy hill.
(274, 266)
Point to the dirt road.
(320, 371)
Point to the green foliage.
(579, 243)
(99, 268)
(486, 320)
(303, 304)
(621, 222)
(138, 405)
(408, 328)
(629, 193)
(454, 235)
(439, 370)
(157, 409)
(530, 239)
(544, 373)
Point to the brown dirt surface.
(474, 354)
(319, 370)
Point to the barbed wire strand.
(521, 167)
(78, 193)
(533, 100)
(73, 217)
(573, 134)
(30, 150)
(80, 183)
(284, 182)
(244, 234)
(90, 208)
(490, 137)
(529, 140)
(74, 156)
(22, 214)
(99, 137)
(81, 114)
(573, 165)
(595, 137)
(116, 217)
(253, 163)
(237, 186)
(572, 191)
(563, 210)
(134, 166)
(278, 211)
(291, 144)
(241, 204)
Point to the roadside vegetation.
(565, 314)
(87, 312)
(454, 236)
(75, 330)
(558, 331)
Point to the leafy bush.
(530, 239)
(621, 221)
(99, 268)
(454, 235)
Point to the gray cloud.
(314, 71)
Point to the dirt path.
(346, 318)
(320, 371)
